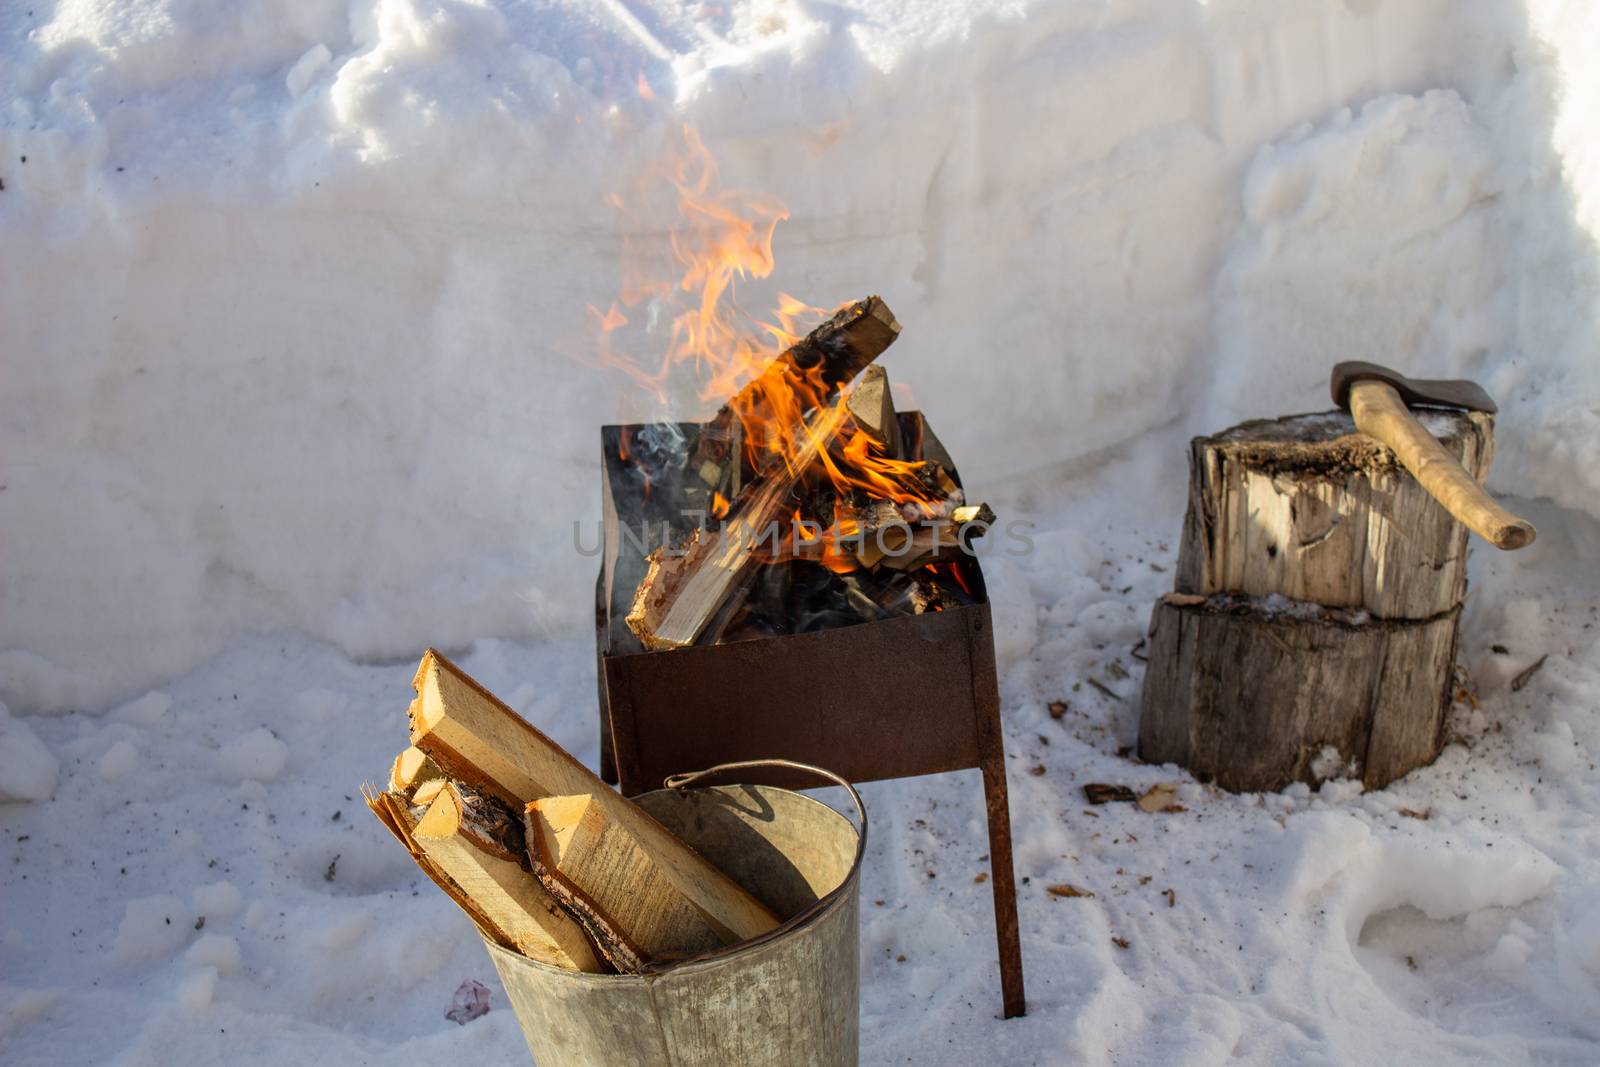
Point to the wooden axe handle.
(1379, 412)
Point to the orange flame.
(724, 236)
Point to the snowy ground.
(1321, 926)
(289, 308)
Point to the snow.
(218, 900)
(152, 928)
(1152, 211)
(119, 759)
(197, 990)
(299, 380)
(28, 769)
(145, 711)
(257, 756)
(215, 952)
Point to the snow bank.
(294, 294)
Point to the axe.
(1380, 401)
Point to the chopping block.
(1322, 568)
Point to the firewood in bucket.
(479, 741)
(597, 869)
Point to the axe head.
(1416, 392)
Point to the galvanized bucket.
(786, 999)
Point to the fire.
(724, 236)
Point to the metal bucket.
(786, 999)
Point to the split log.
(598, 870)
(478, 740)
(871, 403)
(1249, 695)
(427, 792)
(412, 768)
(1308, 508)
(479, 843)
(939, 540)
(400, 816)
(880, 531)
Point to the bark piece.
(1101, 793)
(1306, 507)
(597, 868)
(479, 843)
(477, 739)
(1250, 698)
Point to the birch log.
(478, 740)
(598, 870)
(479, 843)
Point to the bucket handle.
(684, 781)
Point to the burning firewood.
(682, 593)
(719, 464)
(846, 485)
(940, 540)
(485, 745)
(598, 870)
(807, 375)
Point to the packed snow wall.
(290, 293)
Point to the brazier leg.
(1007, 935)
(996, 802)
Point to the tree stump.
(1313, 630)
(1307, 508)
